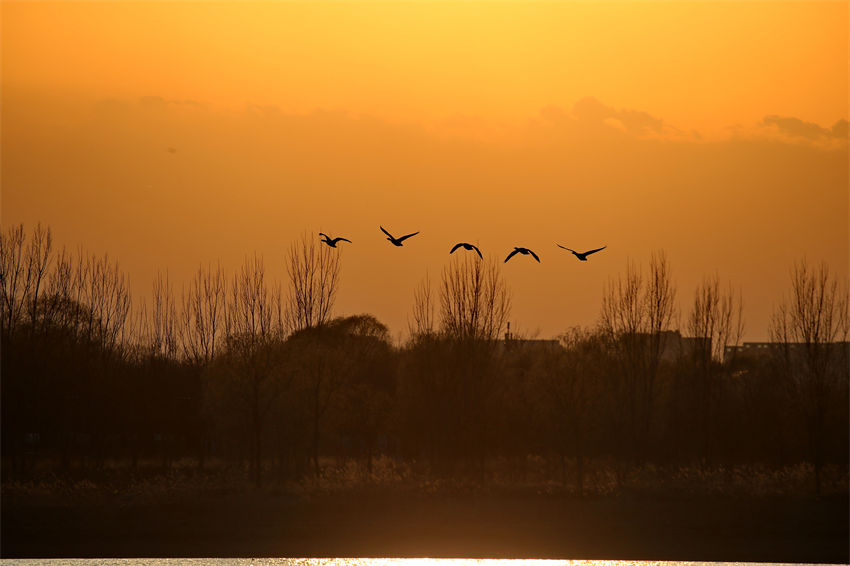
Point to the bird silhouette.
(332, 242)
(466, 246)
(396, 241)
(523, 251)
(582, 256)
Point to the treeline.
(260, 374)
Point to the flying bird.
(582, 256)
(396, 241)
(466, 246)
(523, 251)
(332, 242)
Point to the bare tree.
(252, 309)
(313, 272)
(248, 364)
(452, 385)
(13, 276)
(716, 319)
(202, 328)
(636, 314)
(163, 331)
(88, 292)
(59, 309)
(41, 246)
(23, 274)
(809, 330)
(422, 323)
(659, 306)
(83, 293)
(203, 315)
(475, 302)
(108, 300)
(715, 322)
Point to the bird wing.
(535, 256)
(325, 235)
(512, 254)
(403, 238)
(563, 248)
(478, 251)
(385, 232)
(596, 250)
(342, 240)
(456, 247)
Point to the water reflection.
(345, 562)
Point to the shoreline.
(399, 525)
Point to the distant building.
(527, 344)
(753, 351)
(761, 351)
(675, 346)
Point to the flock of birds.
(582, 256)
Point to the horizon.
(399, 336)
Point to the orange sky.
(711, 130)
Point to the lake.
(343, 562)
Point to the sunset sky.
(168, 134)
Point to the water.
(342, 562)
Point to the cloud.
(796, 128)
(589, 118)
(840, 129)
(640, 122)
(591, 110)
(158, 103)
(153, 102)
(635, 122)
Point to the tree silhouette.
(324, 358)
(163, 332)
(636, 312)
(203, 315)
(714, 323)
(574, 385)
(475, 302)
(313, 271)
(22, 273)
(91, 376)
(809, 330)
(247, 372)
(424, 312)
